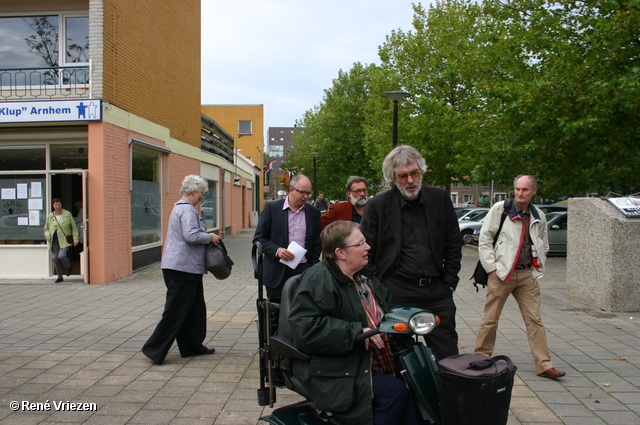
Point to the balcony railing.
(60, 82)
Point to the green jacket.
(326, 316)
(66, 223)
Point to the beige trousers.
(527, 293)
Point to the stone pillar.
(603, 256)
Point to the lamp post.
(395, 96)
(315, 156)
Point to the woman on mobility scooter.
(333, 304)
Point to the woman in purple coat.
(184, 318)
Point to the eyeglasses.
(359, 191)
(415, 174)
(359, 245)
(302, 192)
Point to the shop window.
(209, 206)
(30, 157)
(68, 156)
(23, 209)
(146, 217)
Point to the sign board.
(51, 111)
(629, 206)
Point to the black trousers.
(184, 318)
(436, 297)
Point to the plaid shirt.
(381, 359)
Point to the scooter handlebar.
(368, 334)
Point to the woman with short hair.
(185, 313)
(58, 226)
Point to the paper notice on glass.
(298, 251)
(23, 221)
(35, 204)
(34, 218)
(36, 189)
(22, 190)
(8, 194)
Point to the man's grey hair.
(193, 183)
(534, 180)
(399, 157)
(352, 180)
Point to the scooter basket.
(475, 390)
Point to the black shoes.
(204, 352)
(59, 279)
(69, 271)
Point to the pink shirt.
(297, 225)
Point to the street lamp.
(314, 155)
(395, 96)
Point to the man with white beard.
(352, 209)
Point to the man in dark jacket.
(415, 244)
(333, 304)
(282, 222)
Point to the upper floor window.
(43, 41)
(244, 127)
(276, 151)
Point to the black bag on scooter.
(475, 390)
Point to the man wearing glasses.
(352, 209)
(415, 244)
(285, 221)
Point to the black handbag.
(480, 276)
(217, 260)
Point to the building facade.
(279, 142)
(100, 107)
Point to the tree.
(334, 128)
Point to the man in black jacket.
(415, 244)
(282, 222)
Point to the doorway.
(69, 187)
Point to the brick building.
(103, 111)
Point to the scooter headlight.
(422, 323)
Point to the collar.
(182, 201)
(288, 205)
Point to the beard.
(408, 195)
(358, 201)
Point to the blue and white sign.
(51, 111)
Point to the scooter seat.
(283, 346)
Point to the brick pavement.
(81, 344)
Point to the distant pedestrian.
(58, 226)
(185, 313)
(351, 210)
(322, 203)
(521, 246)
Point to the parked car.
(552, 208)
(469, 225)
(469, 213)
(556, 230)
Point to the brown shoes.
(552, 373)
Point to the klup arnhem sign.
(51, 111)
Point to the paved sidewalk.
(73, 343)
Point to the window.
(499, 197)
(146, 217)
(30, 157)
(467, 198)
(20, 222)
(244, 127)
(454, 198)
(69, 156)
(45, 41)
(209, 206)
(276, 151)
(456, 185)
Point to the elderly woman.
(184, 318)
(58, 226)
(333, 304)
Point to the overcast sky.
(284, 53)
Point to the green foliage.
(498, 88)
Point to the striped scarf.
(380, 358)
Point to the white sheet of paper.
(22, 190)
(298, 251)
(36, 189)
(23, 221)
(8, 194)
(34, 218)
(35, 203)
